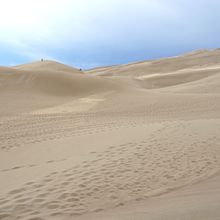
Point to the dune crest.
(47, 65)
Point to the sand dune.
(54, 79)
(196, 59)
(136, 141)
(38, 89)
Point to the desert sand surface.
(135, 141)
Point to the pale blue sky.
(88, 33)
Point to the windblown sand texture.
(136, 141)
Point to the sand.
(135, 141)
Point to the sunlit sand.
(136, 141)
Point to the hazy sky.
(88, 33)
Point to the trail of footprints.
(31, 165)
(23, 130)
(122, 173)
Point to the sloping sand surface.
(141, 142)
(195, 59)
(37, 89)
(200, 201)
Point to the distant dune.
(134, 141)
(47, 79)
(55, 81)
(195, 59)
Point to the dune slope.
(43, 88)
(196, 59)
